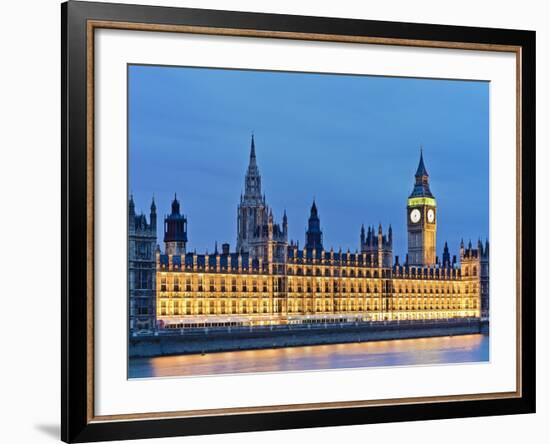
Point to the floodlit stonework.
(267, 280)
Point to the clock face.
(415, 216)
(431, 216)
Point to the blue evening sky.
(352, 142)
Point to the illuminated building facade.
(267, 280)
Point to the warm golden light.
(320, 292)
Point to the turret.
(131, 213)
(270, 225)
(369, 237)
(377, 246)
(175, 230)
(446, 256)
(153, 215)
(314, 235)
(131, 206)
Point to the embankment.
(249, 338)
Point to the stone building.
(142, 241)
(268, 280)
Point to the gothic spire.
(153, 214)
(252, 151)
(421, 170)
(314, 235)
(421, 182)
(253, 180)
(313, 209)
(446, 256)
(131, 205)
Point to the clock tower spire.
(421, 219)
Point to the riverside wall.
(249, 338)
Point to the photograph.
(294, 220)
(285, 221)
(275, 221)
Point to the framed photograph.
(275, 221)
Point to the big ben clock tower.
(421, 220)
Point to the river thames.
(423, 351)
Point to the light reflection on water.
(423, 351)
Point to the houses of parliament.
(268, 280)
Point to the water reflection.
(423, 351)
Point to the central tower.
(421, 220)
(257, 233)
(252, 212)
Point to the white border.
(114, 394)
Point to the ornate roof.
(421, 185)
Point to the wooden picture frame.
(79, 22)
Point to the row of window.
(142, 279)
(298, 306)
(300, 286)
(223, 308)
(334, 289)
